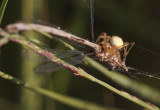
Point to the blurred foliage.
(133, 20)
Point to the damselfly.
(108, 49)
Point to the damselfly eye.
(116, 41)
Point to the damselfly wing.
(73, 57)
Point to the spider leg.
(99, 37)
(104, 37)
(126, 51)
(132, 44)
(103, 34)
(104, 41)
(124, 54)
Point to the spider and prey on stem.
(111, 50)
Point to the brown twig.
(16, 27)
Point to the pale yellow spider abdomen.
(116, 41)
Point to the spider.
(113, 51)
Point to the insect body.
(113, 51)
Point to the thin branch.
(16, 27)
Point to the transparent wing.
(62, 54)
(78, 46)
(70, 56)
(65, 53)
(48, 67)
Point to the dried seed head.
(117, 41)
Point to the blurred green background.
(133, 20)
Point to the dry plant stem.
(16, 27)
(78, 71)
(80, 104)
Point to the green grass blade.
(78, 71)
(2, 9)
(74, 102)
